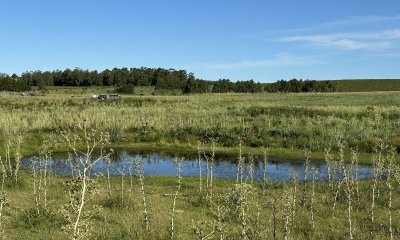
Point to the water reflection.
(224, 166)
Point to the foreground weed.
(82, 187)
(3, 198)
(178, 164)
(138, 165)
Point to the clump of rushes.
(82, 187)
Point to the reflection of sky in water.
(225, 167)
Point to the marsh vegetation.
(342, 130)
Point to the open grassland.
(337, 127)
(281, 122)
(367, 85)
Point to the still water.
(224, 166)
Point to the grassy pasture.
(283, 122)
(221, 209)
(367, 85)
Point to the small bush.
(30, 218)
(126, 89)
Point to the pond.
(225, 166)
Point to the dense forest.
(125, 80)
(13, 83)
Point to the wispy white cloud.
(279, 60)
(389, 54)
(354, 20)
(373, 41)
(358, 21)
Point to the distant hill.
(367, 85)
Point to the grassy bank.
(121, 214)
(278, 121)
(284, 123)
(191, 150)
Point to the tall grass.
(241, 208)
(289, 121)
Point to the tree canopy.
(126, 79)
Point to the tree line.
(13, 83)
(125, 80)
(297, 86)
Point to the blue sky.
(261, 40)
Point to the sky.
(263, 40)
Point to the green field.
(351, 127)
(367, 85)
(281, 122)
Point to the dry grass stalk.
(294, 183)
(122, 175)
(265, 163)
(314, 178)
(250, 173)
(13, 155)
(178, 163)
(307, 154)
(107, 161)
(330, 167)
(82, 186)
(210, 160)
(240, 164)
(287, 211)
(272, 205)
(354, 171)
(138, 165)
(3, 198)
(40, 172)
(389, 179)
(349, 193)
(378, 162)
(199, 163)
